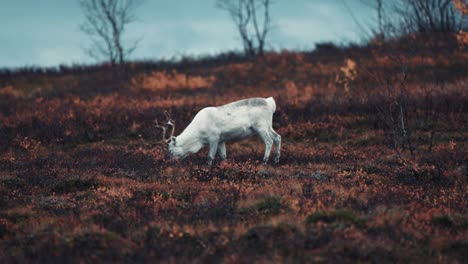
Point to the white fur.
(214, 126)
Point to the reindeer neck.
(189, 141)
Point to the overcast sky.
(46, 32)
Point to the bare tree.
(105, 24)
(253, 21)
(378, 6)
(428, 16)
(401, 17)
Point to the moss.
(264, 239)
(455, 221)
(316, 217)
(371, 169)
(13, 183)
(74, 184)
(443, 220)
(148, 194)
(246, 211)
(166, 243)
(334, 216)
(269, 205)
(100, 245)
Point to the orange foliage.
(462, 39)
(9, 90)
(461, 5)
(82, 177)
(348, 73)
(159, 80)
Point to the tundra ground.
(82, 176)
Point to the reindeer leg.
(268, 144)
(277, 141)
(212, 152)
(222, 150)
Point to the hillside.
(82, 175)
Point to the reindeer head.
(174, 150)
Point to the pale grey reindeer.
(214, 126)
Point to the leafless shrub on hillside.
(406, 113)
(105, 24)
(393, 114)
(253, 22)
(398, 18)
(382, 19)
(428, 16)
(410, 121)
(462, 36)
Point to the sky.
(47, 32)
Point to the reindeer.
(214, 126)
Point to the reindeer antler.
(168, 122)
(164, 129)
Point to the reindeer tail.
(271, 102)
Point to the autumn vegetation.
(373, 167)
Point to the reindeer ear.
(173, 140)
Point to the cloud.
(318, 21)
(52, 56)
(167, 29)
(164, 40)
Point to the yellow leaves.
(349, 69)
(160, 80)
(28, 143)
(462, 36)
(461, 5)
(9, 90)
(298, 93)
(295, 204)
(452, 144)
(291, 89)
(345, 173)
(462, 39)
(135, 127)
(113, 192)
(348, 73)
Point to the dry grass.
(81, 177)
